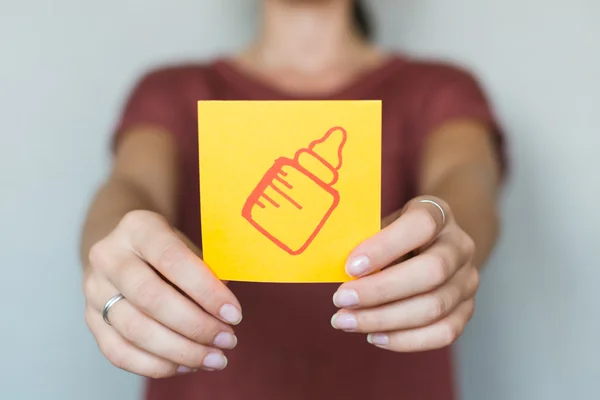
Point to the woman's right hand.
(156, 331)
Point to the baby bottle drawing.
(298, 192)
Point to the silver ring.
(111, 302)
(438, 206)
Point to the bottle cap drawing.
(295, 197)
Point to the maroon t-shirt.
(287, 348)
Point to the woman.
(171, 318)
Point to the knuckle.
(98, 254)
(427, 222)
(381, 293)
(88, 315)
(172, 257)
(369, 322)
(438, 269)
(116, 360)
(90, 287)
(373, 290)
(199, 332)
(384, 244)
(191, 355)
(136, 219)
(113, 355)
(147, 294)
(476, 279)
(133, 330)
(449, 333)
(469, 245)
(440, 306)
(138, 224)
(207, 292)
(471, 310)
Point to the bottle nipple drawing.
(295, 198)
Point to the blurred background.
(67, 65)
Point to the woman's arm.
(143, 177)
(461, 166)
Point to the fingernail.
(345, 298)
(344, 321)
(215, 361)
(357, 266)
(184, 370)
(231, 314)
(379, 339)
(225, 340)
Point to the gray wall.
(66, 65)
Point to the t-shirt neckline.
(256, 87)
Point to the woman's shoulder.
(424, 70)
(193, 79)
(177, 72)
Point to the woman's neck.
(308, 36)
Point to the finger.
(155, 241)
(418, 225)
(438, 211)
(126, 356)
(414, 312)
(388, 219)
(125, 317)
(441, 334)
(142, 287)
(414, 276)
(192, 246)
(149, 335)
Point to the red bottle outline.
(276, 173)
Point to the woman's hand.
(175, 316)
(418, 304)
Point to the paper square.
(287, 188)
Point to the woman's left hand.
(421, 303)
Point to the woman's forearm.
(144, 177)
(112, 202)
(461, 165)
(473, 203)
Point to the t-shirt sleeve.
(454, 93)
(154, 101)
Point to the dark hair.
(361, 19)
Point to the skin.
(180, 320)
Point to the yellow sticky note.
(287, 188)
